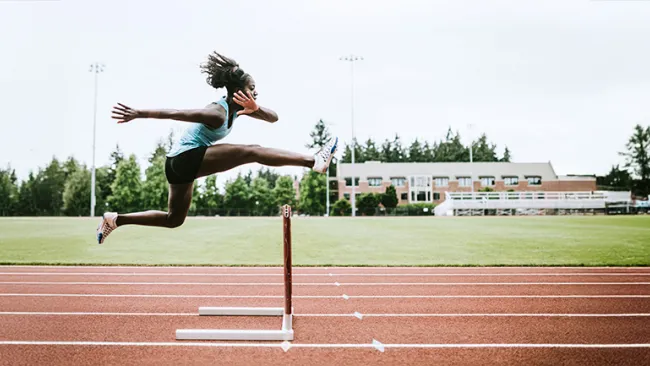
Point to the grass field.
(421, 241)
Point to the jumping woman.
(195, 155)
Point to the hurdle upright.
(284, 334)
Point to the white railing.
(523, 200)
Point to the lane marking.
(378, 345)
(180, 274)
(324, 268)
(329, 284)
(356, 314)
(325, 345)
(346, 297)
(285, 346)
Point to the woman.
(194, 155)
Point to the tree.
(506, 156)
(248, 178)
(341, 207)
(312, 193)
(155, 189)
(270, 175)
(47, 189)
(8, 192)
(261, 199)
(116, 158)
(484, 151)
(237, 199)
(389, 198)
(371, 153)
(27, 197)
(368, 203)
(616, 179)
(638, 158)
(416, 153)
(320, 135)
(451, 149)
(284, 193)
(76, 196)
(127, 187)
(358, 153)
(209, 200)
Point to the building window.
(511, 181)
(404, 196)
(441, 181)
(346, 196)
(436, 196)
(487, 181)
(374, 182)
(534, 181)
(422, 196)
(398, 181)
(464, 181)
(421, 181)
(348, 182)
(412, 196)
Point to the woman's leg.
(180, 198)
(222, 157)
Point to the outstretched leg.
(180, 198)
(223, 157)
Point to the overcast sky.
(554, 80)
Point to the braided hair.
(224, 72)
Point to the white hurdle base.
(285, 334)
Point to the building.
(428, 182)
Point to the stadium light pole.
(352, 59)
(470, 127)
(94, 68)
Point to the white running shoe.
(106, 226)
(323, 158)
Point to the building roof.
(451, 170)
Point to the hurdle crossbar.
(284, 334)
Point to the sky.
(563, 81)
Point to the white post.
(327, 192)
(96, 68)
(471, 160)
(352, 59)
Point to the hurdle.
(284, 334)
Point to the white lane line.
(324, 268)
(355, 314)
(325, 345)
(171, 274)
(378, 345)
(344, 296)
(329, 284)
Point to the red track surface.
(426, 316)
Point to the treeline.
(449, 149)
(634, 175)
(62, 187)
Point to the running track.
(343, 316)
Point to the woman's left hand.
(246, 101)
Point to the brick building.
(427, 182)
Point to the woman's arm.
(211, 116)
(265, 114)
(252, 109)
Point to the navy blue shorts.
(183, 168)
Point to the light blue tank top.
(198, 134)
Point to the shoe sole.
(332, 152)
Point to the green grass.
(408, 241)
